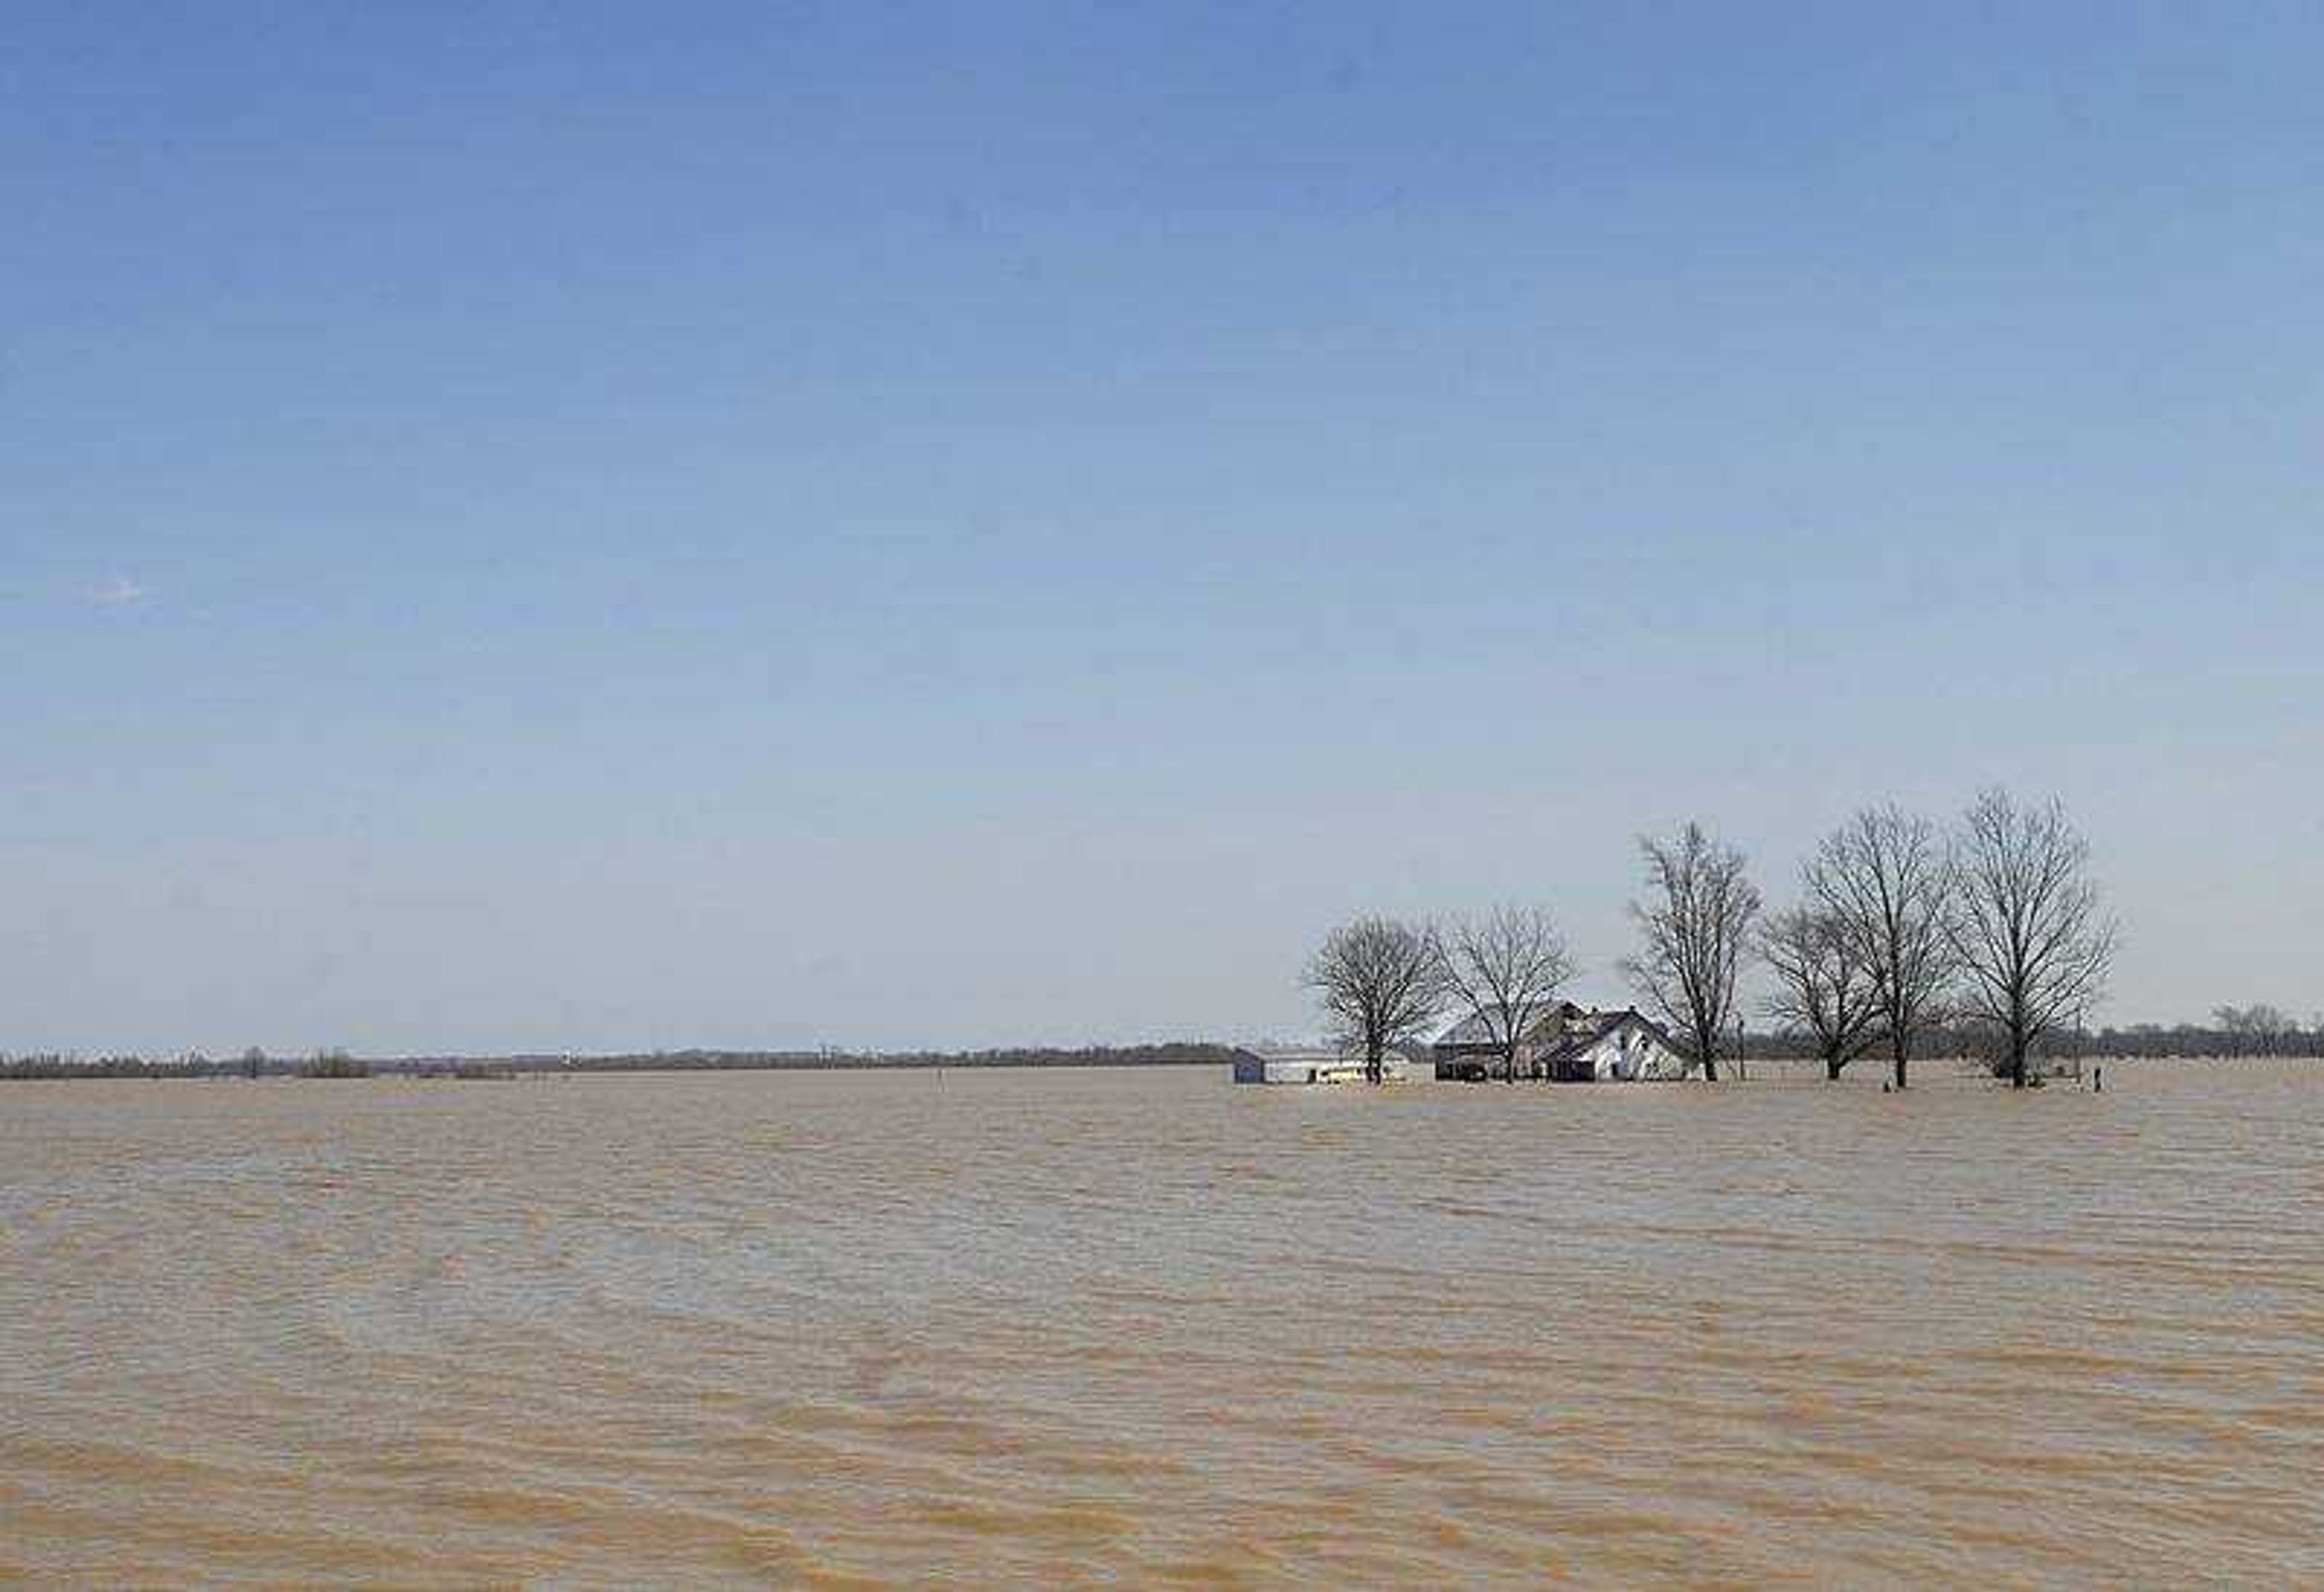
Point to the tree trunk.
(1832, 1066)
(1900, 1069)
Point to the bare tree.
(1507, 968)
(1823, 987)
(2258, 1029)
(2029, 928)
(2236, 1022)
(1695, 929)
(1381, 981)
(2269, 1027)
(1887, 879)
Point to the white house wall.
(1645, 1058)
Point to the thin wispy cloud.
(120, 592)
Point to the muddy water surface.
(1046, 1328)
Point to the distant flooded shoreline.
(339, 1064)
(1753, 1068)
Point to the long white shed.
(1311, 1067)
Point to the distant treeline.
(339, 1064)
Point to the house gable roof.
(1473, 1030)
(1601, 1025)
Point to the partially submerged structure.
(1471, 1048)
(1312, 1067)
(1567, 1044)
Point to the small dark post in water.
(2097, 1080)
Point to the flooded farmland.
(1050, 1327)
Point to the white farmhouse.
(1567, 1044)
(1616, 1046)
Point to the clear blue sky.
(586, 526)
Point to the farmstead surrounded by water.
(1568, 1044)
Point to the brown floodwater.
(1044, 1327)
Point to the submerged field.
(1051, 1326)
